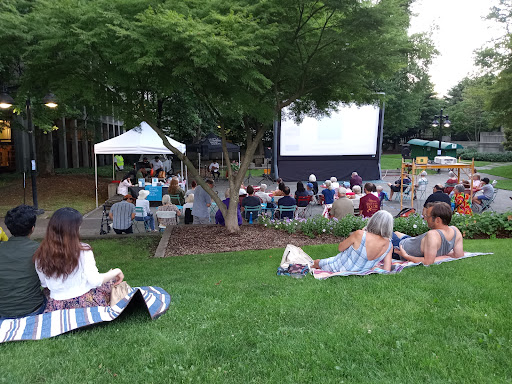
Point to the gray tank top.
(412, 245)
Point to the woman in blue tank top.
(363, 249)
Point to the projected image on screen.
(351, 130)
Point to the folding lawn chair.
(166, 215)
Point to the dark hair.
(300, 187)
(20, 220)
(59, 252)
(486, 180)
(286, 190)
(369, 187)
(279, 180)
(193, 184)
(157, 158)
(441, 210)
(281, 186)
(209, 181)
(374, 187)
(250, 189)
(439, 187)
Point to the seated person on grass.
(364, 248)
(250, 201)
(440, 242)
(20, 288)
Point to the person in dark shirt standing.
(369, 203)
(20, 287)
(438, 195)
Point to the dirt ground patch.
(198, 239)
(54, 192)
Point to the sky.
(457, 30)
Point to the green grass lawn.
(232, 320)
(391, 161)
(503, 171)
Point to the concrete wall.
(491, 142)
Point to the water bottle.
(250, 217)
(453, 206)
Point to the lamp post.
(443, 122)
(49, 100)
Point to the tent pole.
(199, 168)
(96, 176)
(186, 174)
(113, 168)
(238, 158)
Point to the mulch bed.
(198, 239)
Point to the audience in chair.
(286, 201)
(167, 206)
(369, 204)
(122, 215)
(144, 204)
(343, 206)
(250, 201)
(487, 191)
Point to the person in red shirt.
(369, 204)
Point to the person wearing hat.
(144, 204)
(122, 215)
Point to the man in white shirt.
(264, 197)
(214, 169)
(156, 166)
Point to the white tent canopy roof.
(139, 140)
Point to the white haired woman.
(312, 180)
(363, 249)
(168, 206)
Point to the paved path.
(92, 220)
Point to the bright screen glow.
(351, 130)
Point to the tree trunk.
(44, 152)
(74, 145)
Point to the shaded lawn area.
(232, 320)
(504, 171)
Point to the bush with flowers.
(485, 224)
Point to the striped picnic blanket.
(56, 323)
(397, 266)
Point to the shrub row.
(482, 225)
(492, 157)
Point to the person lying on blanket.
(441, 242)
(363, 249)
(67, 267)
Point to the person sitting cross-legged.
(363, 249)
(441, 241)
(20, 288)
(286, 201)
(122, 215)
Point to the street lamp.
(50, 101)
(443, 122)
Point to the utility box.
(445, 160)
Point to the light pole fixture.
(6, 101)
(442, 122)
(51, 102)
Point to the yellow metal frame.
(467, 168)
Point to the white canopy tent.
(139, 140)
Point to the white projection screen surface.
(351, 130)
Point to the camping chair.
(252, 213)
(176, 198)
(405, 191)
(486, 204)
(303, 211)
(284, 208)
(166, 215)
(139, 216)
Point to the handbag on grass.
(118, 293)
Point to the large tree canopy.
(242, 60)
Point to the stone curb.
(162, 245)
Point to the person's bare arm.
(110, 216)
(133, 215)
(458, 250)
(350, 240)
(388, 259)
(401, 251)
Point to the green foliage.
(485, 224)
(491, 157)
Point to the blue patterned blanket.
(397, 266)
(56, 323)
